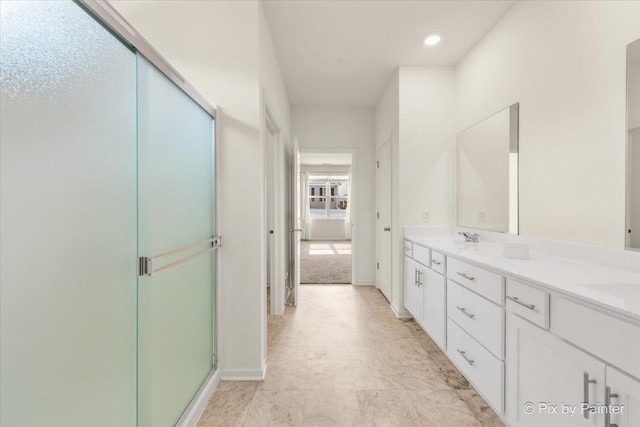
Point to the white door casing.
(295, 223)
(383, 222)
(275, 247)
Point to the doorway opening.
(326, 255)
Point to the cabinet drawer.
(607, 337)
(422, 255)
(489, 285)
(408, 248)
(479, 317)
(528, 302)
(477, 364)
(438, 262)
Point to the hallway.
(341, 358)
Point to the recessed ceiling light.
(432, 39)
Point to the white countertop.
(614, 289)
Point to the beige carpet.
(325, 262)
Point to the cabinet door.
(434, 306)
(623, 392)
(548, 379)
(412, 289)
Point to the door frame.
(387, 140)
(353, 198)
(273, 146)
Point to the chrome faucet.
(469, 237)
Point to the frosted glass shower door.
(176, 226)
(67, 220)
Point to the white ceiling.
(345, 52)
(324, 159)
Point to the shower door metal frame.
(107, 16)
(104, 13)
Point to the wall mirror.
(633, 146)
(487, 174)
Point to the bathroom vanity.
(546, 341)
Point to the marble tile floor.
(342, 358)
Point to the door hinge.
(144, 266)
(378, 215)
(377, 164)
(377, 266)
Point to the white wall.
(426, 154)
(274, 95)
(564, 62)
(327, 229)
(215, 46)
(418, 107)
(347, 128)
(427, 144)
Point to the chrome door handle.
(387, 229)
(436, 262)
(607, 403)
(516, 300)
(415, 277)
(466, 277)
(466, 313)
(585, 391)
(464, 356)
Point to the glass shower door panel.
(67, 219)
(175, 223)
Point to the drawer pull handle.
(517, 301)
(466, 313)
(466, 277)
(464, 356)
(420, 273)
(436, 262)
(407, 249)
(585, 385)
(607, 402)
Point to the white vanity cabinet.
(412, 288)
(538, 353)
(425, 290)
(434, 306)
(543, 371)
(622, 390)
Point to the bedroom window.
(328, 196)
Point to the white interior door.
(383, 230)
(295, 225)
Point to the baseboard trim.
(364, 283)
(244, 374)
(401, 314)
(199, 403)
